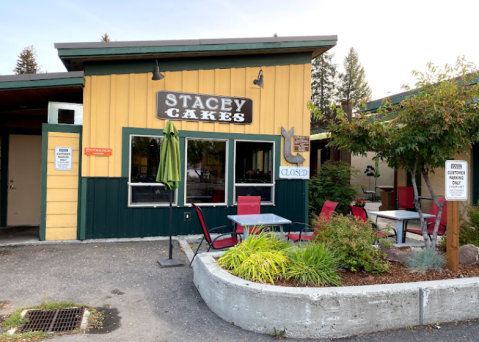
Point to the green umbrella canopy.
(376, 171)
(169, 168)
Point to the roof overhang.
(47, 80)
(73, 55)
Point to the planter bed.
(333, 311)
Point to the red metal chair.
(326, 211)
(248, 205)
(362, 215)
(432, 221)
(405, 198)
(215, 244)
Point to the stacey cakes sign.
(205, 108)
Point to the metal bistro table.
(258, 220)
(399, 216)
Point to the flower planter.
(334, 311)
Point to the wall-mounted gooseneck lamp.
(156, 73)
(259, 81)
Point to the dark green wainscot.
(105, 212)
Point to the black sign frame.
(179, 106)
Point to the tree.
(105, 38)
(437, 122)
(353, 86)
(27, 62)
(323, 83)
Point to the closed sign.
(293, 172)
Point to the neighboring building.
(81, 148)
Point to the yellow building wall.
(112, 102)
(62, 189)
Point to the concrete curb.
(335, 311)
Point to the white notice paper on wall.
(63, 158)
(456, 180)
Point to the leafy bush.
(469, 229)
(352, 240)
(314, 265)
(261, 258)
(332, 183)
(424, 260)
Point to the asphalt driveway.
(143, 302)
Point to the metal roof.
(46, 80)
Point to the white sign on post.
(294, 172)
(63, 158)
(456, 180)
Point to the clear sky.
(391, 37)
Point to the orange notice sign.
(92, 151)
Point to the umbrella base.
(170, 263)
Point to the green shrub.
(424, 260)
(261, 258)
(352, 241)
(469, 229)
(332, 183)
(314, 265)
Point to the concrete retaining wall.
(332, 312)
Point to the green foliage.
(332, 183)
(469, 229)
(353, 85)
(105, 38)
(27, 62)
(435, 123)
(352, 240)
(314, 265)
(261, 258)
(27, 336)
(424, 260)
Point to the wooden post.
(452, 251)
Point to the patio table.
(258, 220)
(399, 216)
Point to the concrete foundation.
(332, 312)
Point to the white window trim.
(226, 173)
(272, 185)
(130, 184)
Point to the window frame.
(273, 175)
(225, 203)
(131, 184)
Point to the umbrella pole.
(170, 262)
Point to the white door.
(24, 180)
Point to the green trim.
(194, 63)
(4, 185)
(190, 49)
(231, 137)
(82, 200)
(475, 174)
(80, 184)
(43, 205)
(54, 83)
(306, 200)
(61, 128)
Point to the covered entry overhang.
(23, 109)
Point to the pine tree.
(105, 38)
(26, 62)
(323, 84)
(353, 86)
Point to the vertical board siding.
(112, 102)
(108, 216)
(61, 206)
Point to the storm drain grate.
(59, 320)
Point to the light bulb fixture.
(156, 73)
(259, 81)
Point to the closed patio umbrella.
(169, 175)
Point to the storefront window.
(205, 171)
(254, 170)
(144, 162)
